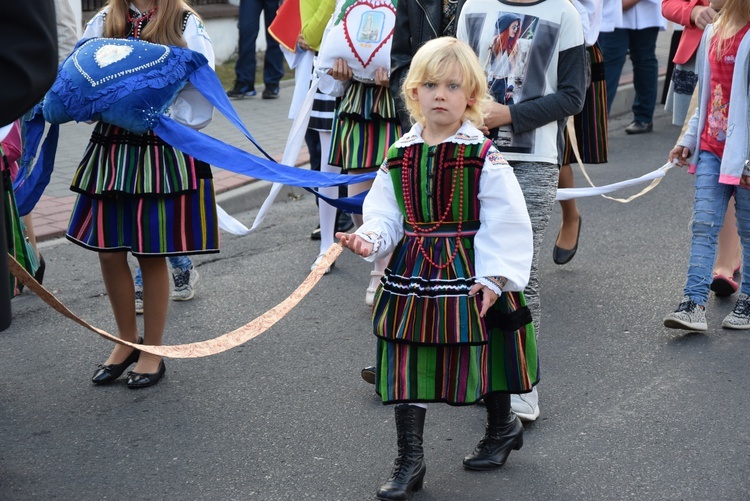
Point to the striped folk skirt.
(365, 126)
(432, 344)
(138, 194)
(460, 374)
(591, 123)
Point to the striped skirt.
(365, 126)
(432, 344)
(459, 374)
(591, 123)
(138, 194)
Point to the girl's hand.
(488, 297)
(701, 16)
(680, 155)
(382, 78)
(341, 70)
(302, 43)
(745, 180)
(355, 243)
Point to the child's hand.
(341, 70)
(488, 297)
(680, 155)
(355, 243)
(745, 180)
(382, 78)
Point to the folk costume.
(451, 214)
(365, 122)
(138, 193)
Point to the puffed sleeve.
(503, 245)
(95, 26)
(383, 221)
(190, 107)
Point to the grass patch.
(225, 71)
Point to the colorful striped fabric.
(365, 126)
(432, 343)
(150, 226)
(459, 374)
(118, 161)
(591, 123)
(137, 193)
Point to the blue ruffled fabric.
(136, 101)
(133, 100)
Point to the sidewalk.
(267, 121)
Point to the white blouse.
(503, 245)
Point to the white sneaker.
(525, 405)
(184, 283)
(139, 300)
(317, 262)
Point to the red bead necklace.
(408, 199)
(137, 21)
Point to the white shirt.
(503, 245)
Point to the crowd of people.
(470, 112)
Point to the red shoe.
(724, 286)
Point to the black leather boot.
(504, 433)
(408, 468)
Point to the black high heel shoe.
(107, 373)
(142, 380)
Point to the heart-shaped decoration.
(102, 60)
(368, 26)
(110, 54)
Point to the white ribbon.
(653, 176)
(291, 152)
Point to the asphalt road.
(630, 410)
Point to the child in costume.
(365, 123)
(716, 138)
(138, 194)
(450, 320)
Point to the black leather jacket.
(417, 22)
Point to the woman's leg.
(119, 284)
(155, 304)
(567, 239)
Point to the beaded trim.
(420, 232)
(115, 42)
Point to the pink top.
(678, 11)
(12, 147)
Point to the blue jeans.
(177, 262)
(710, 204)
(641, 44)
(249, 26)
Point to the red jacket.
(678, 11)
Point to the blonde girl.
(715, 148)
(450, 311)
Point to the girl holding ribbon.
(447, 208)
(365, 122)
(716, 139)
